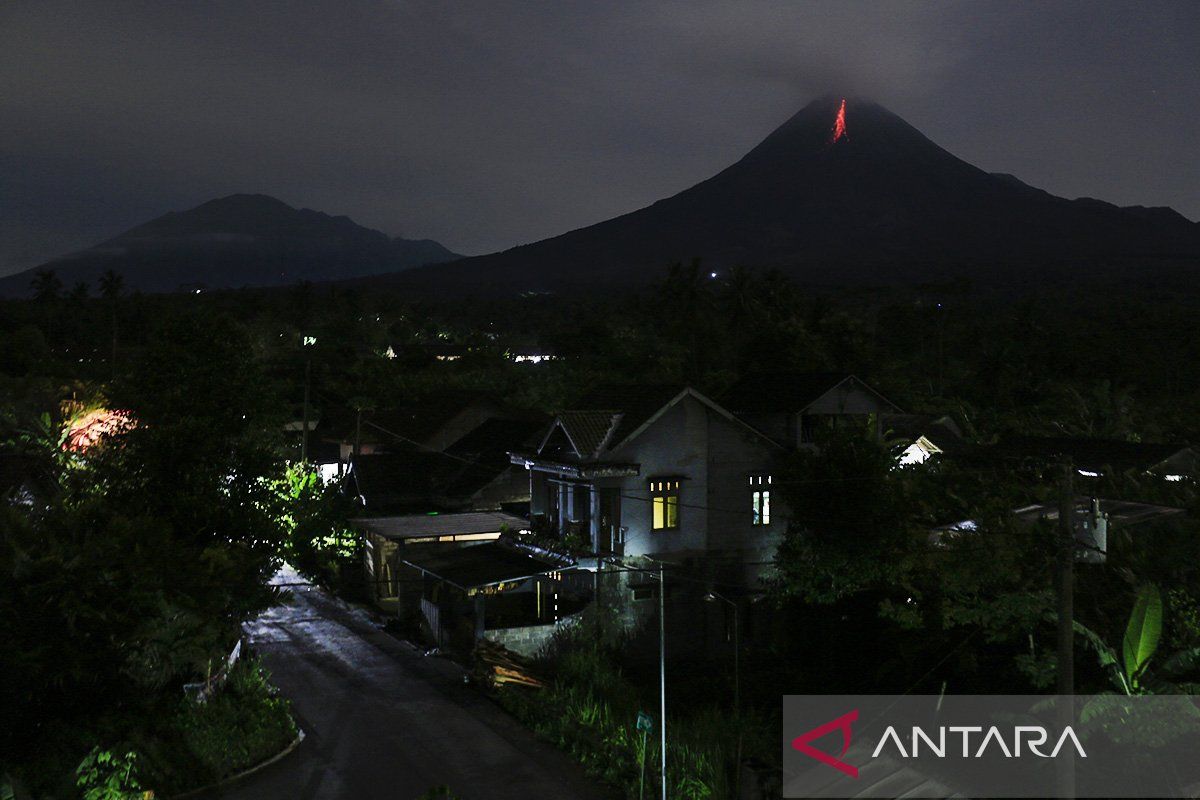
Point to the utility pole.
(1064, 579)
(662, 672)
(304, 432)
(357, 434)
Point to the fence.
(202, 690)
(433, 616)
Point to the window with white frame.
(760, 497)
(664, 504)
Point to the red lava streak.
(839, 124)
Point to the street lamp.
(662, 671)
(713, 597)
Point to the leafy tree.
(126, 585)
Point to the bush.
(591, 709)
(240, 726)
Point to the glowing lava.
(839, 124)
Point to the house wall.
(675, 445)
(715, 456)
(735, 455)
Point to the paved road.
(383, 721)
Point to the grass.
(591, 709)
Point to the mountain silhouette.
(240, 240)
(877, 201)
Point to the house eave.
(584, 470)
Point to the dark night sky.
(488, 124)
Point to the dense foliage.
(135, 563)
(129, 570)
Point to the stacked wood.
(495, 665)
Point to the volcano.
(845, 192)
(235, 241)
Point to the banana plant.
(1129, 671)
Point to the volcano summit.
(847, 192)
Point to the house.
(923, 436)
(1096, 457)
(384, 539)
(793, 408)
(433, 422)
(473, 473)
(505, 590)
(1091, 518)
(445, 351)
(657, 471)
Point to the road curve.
(383, 721)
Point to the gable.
(694, 396)
(849, 396)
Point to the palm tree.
(46, 286)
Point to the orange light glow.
(839, 124)
(86, 431)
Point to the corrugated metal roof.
(484, 564)
(1097, 454)
(415, 526)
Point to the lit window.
(664, 499)
(760, 497)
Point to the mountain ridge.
(238, 240)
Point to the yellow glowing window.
(760, 498)
(664, 504)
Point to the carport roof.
(419, 526)
(486, 565)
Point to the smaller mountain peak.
(244, 200)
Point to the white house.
(659, 471)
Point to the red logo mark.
(842, 723)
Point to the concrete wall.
(528, 640)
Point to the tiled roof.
(588, 430)
(479, 457)
(786, 391)
(411, 420)
(496, 437)
(635, 403)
